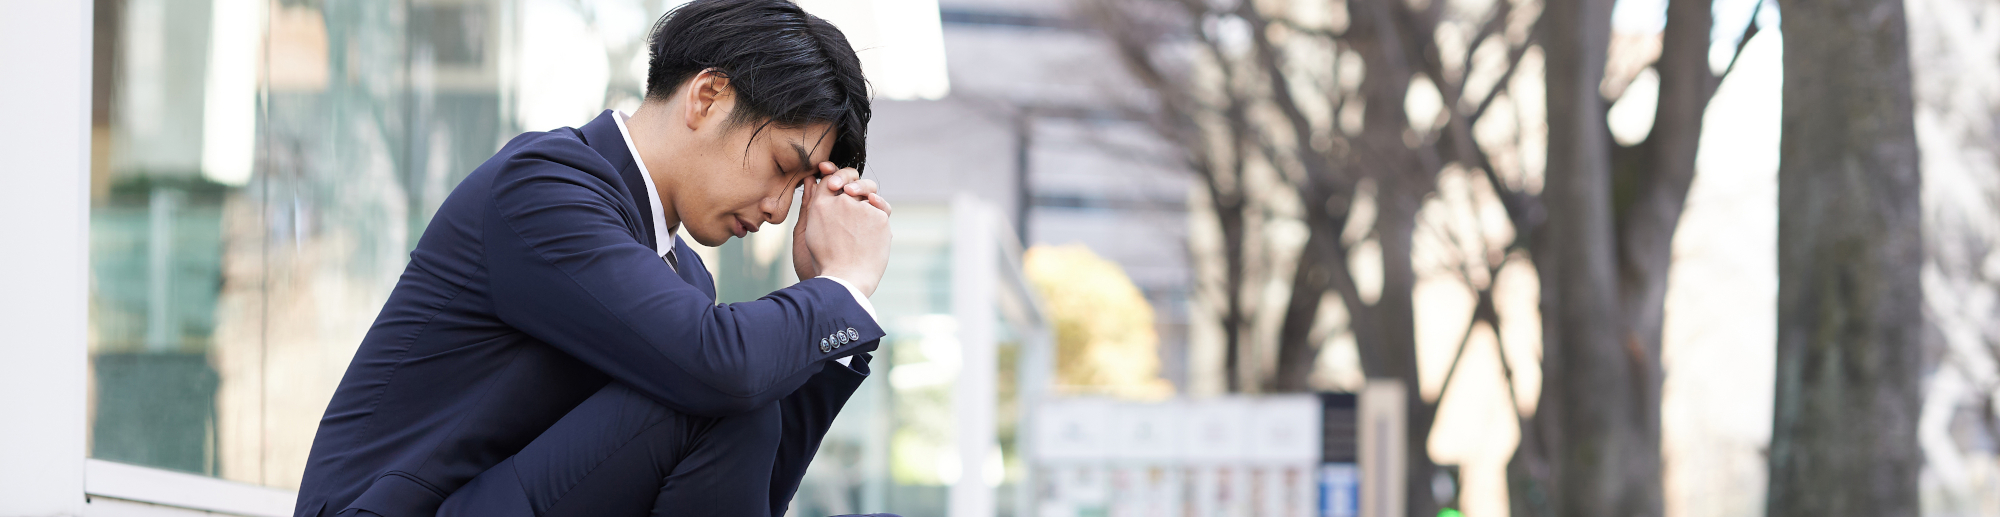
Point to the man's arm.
(566, 270)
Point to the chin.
(710, 239)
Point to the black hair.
(787, 67)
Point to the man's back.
(438, 339)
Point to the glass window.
(263, 168)
(262, 171)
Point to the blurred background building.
(259, 171)
(218, 195)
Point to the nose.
(777, 207)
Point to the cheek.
(745, 196)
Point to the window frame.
(182, 490)
(46, 209)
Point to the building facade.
(211, 200)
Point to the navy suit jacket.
(536, 283)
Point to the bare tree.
(1850, 249)
(1275, 89)
(1593, 447)
(1956, 115)
(1246, 91)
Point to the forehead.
(809, 145)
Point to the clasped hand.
(843, 229)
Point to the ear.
(705, 99)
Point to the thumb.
(829, 177)
(815, 189)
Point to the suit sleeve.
(567, 270)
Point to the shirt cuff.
(859, 299)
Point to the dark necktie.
(673, 262)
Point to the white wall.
(44, 248)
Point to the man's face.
(736, 184)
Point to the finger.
(846, 176)
(813, 193)
(827, 170)
(879, 202)
(862, 188)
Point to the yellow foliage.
(1105, 339)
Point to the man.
(553, 349)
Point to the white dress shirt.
(668, 240)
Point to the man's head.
(749, 96)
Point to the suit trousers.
(620, 453)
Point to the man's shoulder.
(537, 170)
(562, 146)
(537, 157)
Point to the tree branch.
(1749, 30)
(1480, 310)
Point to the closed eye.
(782, 171)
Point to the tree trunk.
(1229, 212)
(1298, 354)
(1232, 205)
(1594, 446)
(1646, 228)
(1843, 440)
(1402, 180)
(1593, 414)
(1396, 315)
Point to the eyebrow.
(805, 158)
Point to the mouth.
(741, 228)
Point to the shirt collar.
(663, 235)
